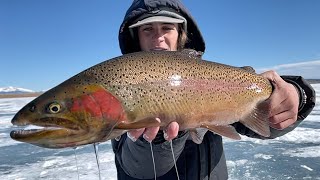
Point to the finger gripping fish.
(133, 90)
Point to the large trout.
(132, 91)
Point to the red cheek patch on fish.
(90, 105)
(110, 105)
(100, 104)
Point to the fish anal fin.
(137, 124)
(257, 121)
(198, 134)
(227, 131)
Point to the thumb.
(273, 77)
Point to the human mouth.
(159, 49)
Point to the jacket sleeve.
(135, 158)
(306, 104)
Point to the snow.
(14, 89)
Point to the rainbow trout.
(133, 90)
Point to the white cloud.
(308, 69)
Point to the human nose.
(158, 34)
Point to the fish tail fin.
(257, 121)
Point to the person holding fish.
(166, 25)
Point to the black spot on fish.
(32, 108)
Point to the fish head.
(68, 116)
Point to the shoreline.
(36, 94)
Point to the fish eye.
(54, 108)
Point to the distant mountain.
(14, 90)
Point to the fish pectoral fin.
(227, 131)
(258, 122)
(137, 124)
(198, 134)
(115, 133)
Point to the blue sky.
(43, 43)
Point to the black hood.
(139, 7)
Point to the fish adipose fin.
(198, 134)
(258, 122)
(143, 123)
(227, 131)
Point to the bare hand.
(149, 134)
(283, 103)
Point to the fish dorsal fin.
(142, 123)
(192, 52)
(227, 131)
(249, 69)
(198, 134)
(258, 122)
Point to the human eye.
(146, 28)
(168, 27)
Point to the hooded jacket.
(194, 161)
(139, 7)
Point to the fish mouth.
(52, 133)
(27, 132)
(41, 128)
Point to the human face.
(158, 36)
